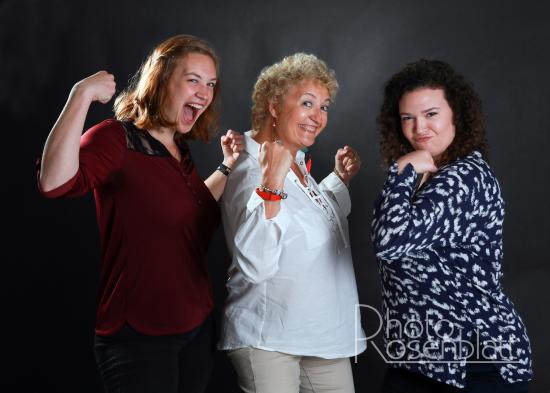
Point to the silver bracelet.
(280, 193)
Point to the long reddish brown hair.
(143, 101)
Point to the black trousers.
(131, 362)
(480, 378)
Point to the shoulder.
(245, 167)
(470, 172)
(108, 131)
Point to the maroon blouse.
(156, 218)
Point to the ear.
(273, 108)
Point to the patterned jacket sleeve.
(442, 212)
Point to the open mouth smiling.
(308, 128)
(191, 111)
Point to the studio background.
(52, 248)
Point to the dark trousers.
(131, 362)
(480, 378)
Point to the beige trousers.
(261, 371)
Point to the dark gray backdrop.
(52, 246)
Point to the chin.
(308, 142)
(184, 129)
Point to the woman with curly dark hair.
(437, 233)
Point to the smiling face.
(301, 115)
(190, 90)
(427, 120)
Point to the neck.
(164, 135)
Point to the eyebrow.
(314, 96)
(430, 109)
(424, 111)
(198, 76)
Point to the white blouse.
(291, 285)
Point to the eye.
(431, 114)
(193, 80)
(405, 118)
(211, 85)
(325, 108)
(307, 104)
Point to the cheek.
(324, 122)
(211, 93)
(407, 133)
(299, 115)
(449, 132)
(171, 102)
(293, 118)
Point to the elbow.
(55, 188)
(259, 277)
(380, 251)
(389, 244)
(45, 185)
(385, 250)
(257, 272)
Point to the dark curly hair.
(468, 118)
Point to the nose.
(316, 115)
(419, 125)
(203, 92)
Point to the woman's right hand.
(275, 161)
(421, 160)
(97, 87)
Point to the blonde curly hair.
(275, 81)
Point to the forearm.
(391, 228)
(217, 180)
(216, 184)
(441, 212)
(259, 241)
(60, 156)
(335, 187)
(271, 208)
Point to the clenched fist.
(346, 164)
(421, 160)
(232, 145)
(275, 161)
(97, 87)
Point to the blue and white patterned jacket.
(439, 250)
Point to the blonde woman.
(290, 321)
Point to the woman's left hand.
(232, 144)
(346, 164)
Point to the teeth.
(308, 128)
(196, 106)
